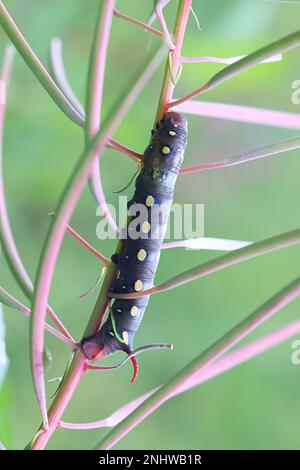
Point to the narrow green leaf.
(10, 301)
(58, 72)
(243, 157)
(277, 47)
(284, 44)
(264, 151)
(38, 69)
(229, 259)
(203, 360)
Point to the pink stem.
(27, 312)
(228, 60)
(229, 361)
(65, 393)
(89, 247)
(123, 149)
(243, 354)
(207, 243)
(204, 167)
(138, 23)
(113, 419)
(203, 361)
(59, 72)
(179, 32)
(239, 113)
(152, 17)
(94, 100)
(6, 231)
(164, 27)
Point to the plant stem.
(201, 362)
(94, 96)
(178, 33)
(51, 251)
(154, 31)
(62, 398)
(281, 45)
(87, 245)
(225, 363)
(229, 259)
(36, 66)
(77, 367)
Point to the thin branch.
(58, 227)
(33, 62)
(136, 156)
(112, 420)
(284, 44)
(152, 16)
(59, 74)
(6, 236)
(229, 361)
(245, 157)
(94, 94)
(15, 304)
(229, 259)
(172, 69)
(207, 243)
(227, 60)
(160, 16)
(154, 31)
(76, 370)
(233, 112)
(202, 362)
(89, 247)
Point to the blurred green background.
(253, 406)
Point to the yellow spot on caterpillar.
(156, 174)
(149, 201)
(125, 337)
(141, 255)
(145, 227)
(134, 311)
(172, 133)
(166, 150)
(138, 285)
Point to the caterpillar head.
(102, 344)
(173, 119)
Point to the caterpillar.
(138, 256)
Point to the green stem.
(281, 45)
(229, 259)
(38, 69)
